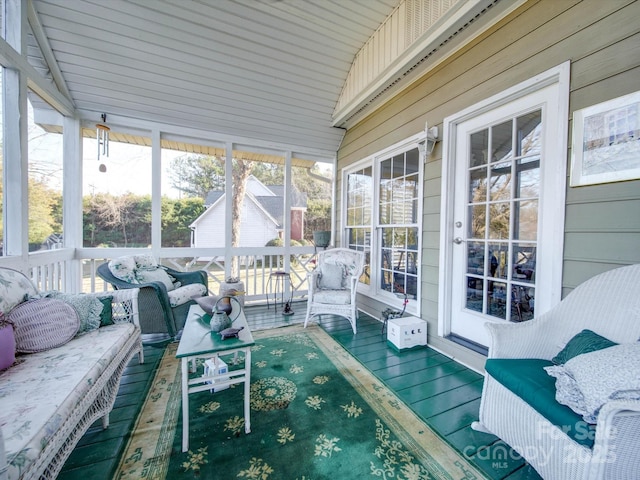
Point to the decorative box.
(406, 332)
(215, 367)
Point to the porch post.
(286, 215)
(72, 170)
(156, 193)
(16, 174)
(228, 194)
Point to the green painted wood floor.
(445, 394)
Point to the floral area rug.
(316, 413)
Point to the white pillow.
(331, 277)
(155, 275)
(124, 268)
(586, 382)
(185, 293)
(145, 262)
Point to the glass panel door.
(496, 233)
(502, 218)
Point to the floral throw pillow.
(15, 288)
(182, 295)
(124, 268)
(586, 382)
(157, 274)
(145, 262)
(331, 277)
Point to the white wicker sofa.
(48, 399)
(519, 399)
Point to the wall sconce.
(431, 138)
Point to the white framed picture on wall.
(606, 142)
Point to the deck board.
(444, 393)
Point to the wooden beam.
(47, 51)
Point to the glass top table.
(198, 341)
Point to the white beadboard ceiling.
(265, 71)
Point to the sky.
(128, 169)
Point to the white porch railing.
(48, 270)
(75, 270)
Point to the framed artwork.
(606, 142)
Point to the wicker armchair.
(158, 319)
(333, 284)
(607, 304)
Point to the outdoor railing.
(255, 269)
(47, 269)
(58, 269)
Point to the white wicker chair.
(337, 301)
(608, 304)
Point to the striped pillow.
(43, 324)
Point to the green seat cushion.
(527, 378)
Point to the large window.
(358, 224)
(398, 221)
(382, 198)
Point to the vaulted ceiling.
(268, 71)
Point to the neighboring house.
(262, 216)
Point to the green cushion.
(106, 317)
(584, 342)
(527, 378)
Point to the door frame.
(555, 179)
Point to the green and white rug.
(316, 413)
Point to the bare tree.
(115, 212)
(241, 171)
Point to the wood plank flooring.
(445, 394)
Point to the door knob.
(457, 240)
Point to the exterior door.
(502, 169)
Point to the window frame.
(374, 161)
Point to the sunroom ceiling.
(257, 72)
